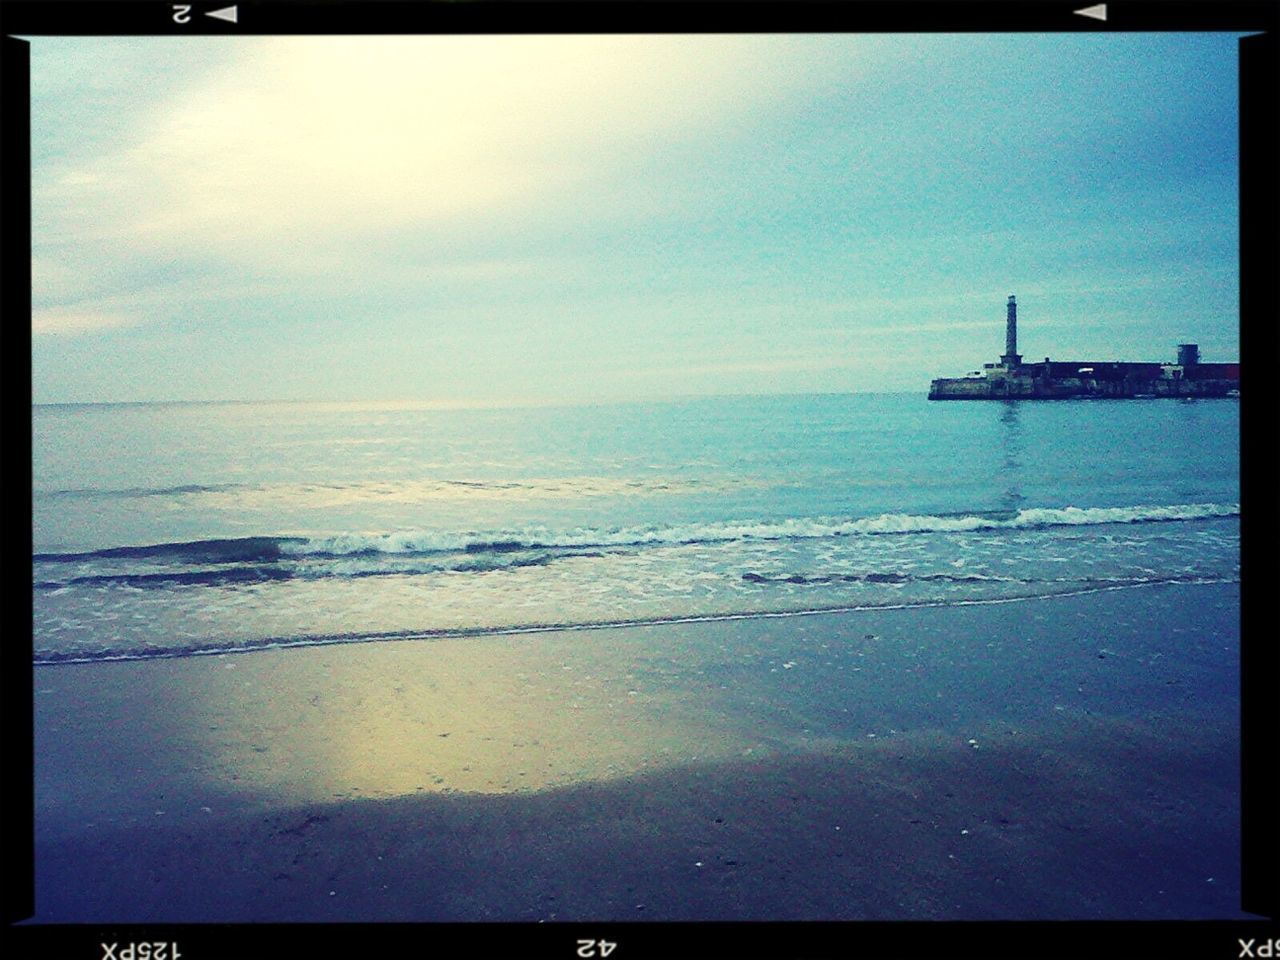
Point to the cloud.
(307, 137)
(546, 210)
(64, 321)
(359, 162)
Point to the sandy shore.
(1066, 758)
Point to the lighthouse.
(1008, 379)
(1011, 358)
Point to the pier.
(1011, 379)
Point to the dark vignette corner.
(15, 213)
(1258, 476)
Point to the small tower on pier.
(1011, 358)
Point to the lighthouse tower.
(1011, 358)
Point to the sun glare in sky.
(573, 219)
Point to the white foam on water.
(426, 541)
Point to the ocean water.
(189, 529)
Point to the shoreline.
(1084, 753)
(450, 633)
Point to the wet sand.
(1071, 758)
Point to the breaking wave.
(426, 542)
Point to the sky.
(531, 219)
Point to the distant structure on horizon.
(1011, 379)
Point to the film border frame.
(1259, 307)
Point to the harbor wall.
(1049, 388)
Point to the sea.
(189, 529)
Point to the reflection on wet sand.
(928, 749)
(485, 715)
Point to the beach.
(1069, 757)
